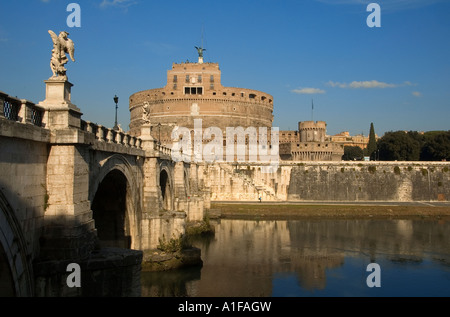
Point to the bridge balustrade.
(161, 148)
(20, 110)
(105, 134)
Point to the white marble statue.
(146, 112)
(61, 45)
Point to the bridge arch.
(166, 185)
(115, 203)
(15, 269)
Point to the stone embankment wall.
(371, 181)
(331, 181)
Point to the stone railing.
(233, 171)
(109, 135)
(21, 110)
(161, 148)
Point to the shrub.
(372, 169)
(174, 244)
(397, 170)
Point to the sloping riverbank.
(351, 211)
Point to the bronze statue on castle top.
(200, 51)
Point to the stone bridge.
(72, 191)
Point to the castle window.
(175, 78)
(193, 90)
(263, 98)
(175, 86)
(211, 78)
(187, 78)
(211, 86)
(224, 93)
(199, 78)
(252, 96)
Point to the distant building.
(309, 143)
(345, 139)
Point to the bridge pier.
(69, 234)
(69, 228)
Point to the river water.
(319, 258)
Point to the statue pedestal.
(59, 110)
(146, 137)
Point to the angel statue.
(61, 46)
(200, 51)
(146, 112)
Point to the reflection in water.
(314, 258)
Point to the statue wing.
(71, 49)
(54, 36)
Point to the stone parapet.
(108, 272)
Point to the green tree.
(372, 145)
(399, 146)
(353, 153)
(436, 146)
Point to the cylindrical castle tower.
(194, 91)
(311, 131)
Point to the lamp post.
(116, 100)
(159, 133)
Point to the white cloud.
(417, 93)
(117, 3)
(362, 84)
(370, 84)
(308, 91)
(387, 5)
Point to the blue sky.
(396, 76)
